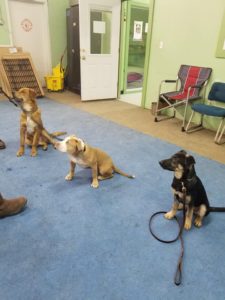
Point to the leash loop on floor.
(155, 236)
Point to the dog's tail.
(122, 173)
(58, 133)
(216, 209)
(51, 136)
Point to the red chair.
(192, 80)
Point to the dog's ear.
(32, 93)
(182, 152)
(80, 145)
(190, 160)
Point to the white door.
(99, 48)
(29, 22)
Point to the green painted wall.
(189, 30)
(4, 29)
(220, 51)
(57, 27)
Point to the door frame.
(8, 25)
(126, 24)
(124, 44)
(148, 52)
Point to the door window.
(100, 29)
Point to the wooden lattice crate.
(17, 71)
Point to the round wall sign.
(26, 25)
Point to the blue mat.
(79, 243)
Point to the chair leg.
(189, 122)
(219, 133)
(194, 127)
(156, 111)
(202, 119)
(156, 119)
(174, 112)
(184, 118)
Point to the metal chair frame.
(220, 130)
(176, 103)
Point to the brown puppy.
(88, 157)
(32, 131)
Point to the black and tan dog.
(196, 200)
(32, 131)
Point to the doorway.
(133, 50)
(29, 23)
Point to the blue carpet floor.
(74, 242)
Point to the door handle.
(83, 57)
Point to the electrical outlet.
(161, 44)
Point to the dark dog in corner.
(196, 200)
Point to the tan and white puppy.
(88, 157)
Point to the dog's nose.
(166, 164)
(161, 163)
(55, 144)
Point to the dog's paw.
(169, 215)
(33, 153)
(69, 177)
(187, 224)
(198, 222)
(181, 206)
(45, 148)
(20, 153)
(95, 184)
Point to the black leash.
(12, 100)
(178, 273)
